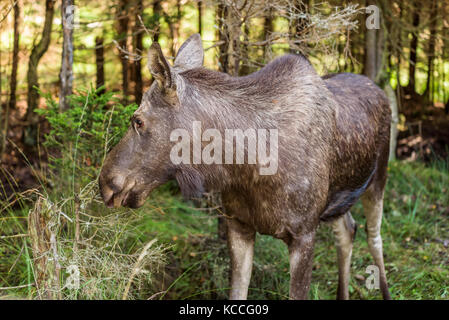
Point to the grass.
(415, 231)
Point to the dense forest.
(73, 72)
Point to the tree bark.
(15, 57)
(268, 28)
(138, 49)
(223, 35)
(66, 75)
(399, 50)
(200, 17)
(99, 60)
(122, 30)
(32, 78)
(413, 48)
(431, 53)
(176, 26)
(234, 53)
(157, 10)
(244, 70)
(380, 53)
(394, 120)
(370, 51)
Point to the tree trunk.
(234, 53)
(268, 28)
(431, 53)
(138, 49)
(122, 30)
(223, 36)
(30, 137)
(394, 120)
(200, 16)
(176, 26)
(15, 57)
(399, 48)
(381, 56)
(99, 60)
(370, 54)
(66, 75)
(157, 10)
(413, 49)
(173, 27)
(244, 70)
(370, 51)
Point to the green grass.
(415, 229)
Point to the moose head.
(141, 160)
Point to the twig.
(129, 55)
(20, 235)
(136, 267)
(17, 287)
(17, 259)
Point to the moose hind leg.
(301, 262)
(241, 247)
(372, 202)
(344, 229)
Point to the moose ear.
(191, 54)
(159, 67)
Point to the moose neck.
(213, 100)
(218, 100)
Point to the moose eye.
(138, 123)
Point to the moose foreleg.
(241, 246)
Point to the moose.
(333, 145)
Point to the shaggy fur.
(333, 139)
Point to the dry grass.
(78, 253)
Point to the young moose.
(333, 136)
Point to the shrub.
(70, 230)
(80, 137)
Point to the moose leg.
(344, 230)
(241, 246)
(373, 207)
(301, 262)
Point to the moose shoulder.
(328, 139)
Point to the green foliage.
(80, 137)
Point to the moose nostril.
(117, 183)
(106, 192)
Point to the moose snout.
(114, 189)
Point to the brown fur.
(333, 135)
